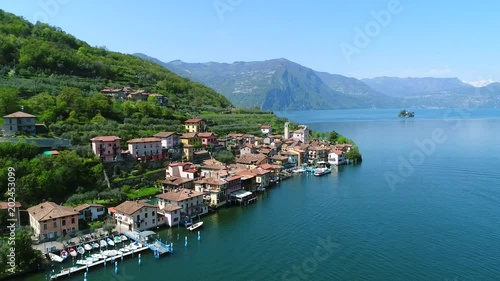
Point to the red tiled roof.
(143, 140)
(188, 135)
(130, 207)
(206, 135)
(19, 114)
(265, 127)
(194, 120)
(234, 178)
(164, 134)
(106, 138)
(179, 195)
(50, 210)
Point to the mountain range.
(280, 84)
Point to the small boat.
(80, 250)
(110, 253)
(110, 242)
(92, 259)
(98, 256)
(56, 258)
(135, 246)
(123, 237)
(118, 239)
(103, 243)
(195, 226)
(322, 171)
(87, 247)
(124, 250)
(64, 254)
(84, 262)
(300, 170)
(72, 252)
(95, 245)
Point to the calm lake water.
(423, 205)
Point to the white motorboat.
(123, 237)
(56, 258)
(103, 243)
(87, 247)
(95, 245)
(110, 241)
(97, 256)
(195, 226)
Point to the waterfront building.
(50, 220)
(135, 216)
(336, 157)
(172, 214)
(214, 189)
(91, 212)
(190, 201)
(169, 140)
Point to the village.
(194, 183)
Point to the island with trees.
(406, 113)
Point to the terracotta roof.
(213, 181)
(50, 210)
(177, 181)
(194, 120)
(265, 127)
(19, 114)
(260, 171)
(85, 206)
(164, 134)
(106, 138)
(179, 164)
(130, 207)
(179, 195)
(5, 205)
(251, 158)
(188, 135)
(234, 178)
(206, 135)
(143, 140)
(270, 167)
(170, 208)
(280, 157)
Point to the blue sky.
(410, 38)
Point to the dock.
(147, 238)
(108, 260)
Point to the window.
(63, 222)
(145, 215)
(153, 221)
(153, 213)
(55, 223)
(73, 220)
(138, 217)
(176, 219)
(175, 212)
(45, 226)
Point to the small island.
(406, 113)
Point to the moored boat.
(322, 171)
(72, 252)
(95, 245)
(118, 239)
(56, 258)
(64, 254)
(87, 247)
(195, 226)
(123, 237)
(103, 243)
(110, 242)
(80, 250)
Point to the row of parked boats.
(87, 247)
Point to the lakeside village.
(191, 187)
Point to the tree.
(27, 258)
(332, 137)
(354, 155)
(9, 101)
(225, 156)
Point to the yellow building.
(194, 125)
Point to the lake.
(423, 205)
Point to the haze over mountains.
(280, 84)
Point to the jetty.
(107, 260)
(145, 240)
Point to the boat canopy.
(241, 193)
(147, 233)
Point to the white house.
(172, 214)
(135, 215)
(169, 140)
(266, 129)
(301, 134)
(190, 201)
(336, 157)
(91, 212)
(146, 148)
